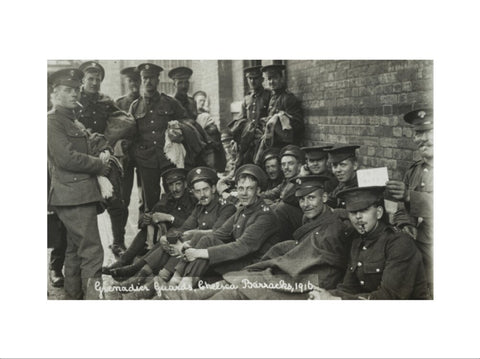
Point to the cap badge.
(198, 171)
(93, 64)
(72, 73)
(421, 114)
(147, 67)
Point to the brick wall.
(362, 102)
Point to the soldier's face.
(92, 81)
(177, 188)
(317, 166)
(182, 85)
(312, 204)
(66, 96)
(200, 100)
(275, 81)
(272, 168)
(365, 220)
(255, 83)
(248, 191)
(424, 142)
(150, 83)
(133, 84)
(290, 166)
(344, 170)
(203, 192)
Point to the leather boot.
(56, 278)
(139, 279)
(125, 272)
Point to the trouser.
(137, 247)
(426, 249)
(57, 235)
(128, 176)
(290, 219)
(118, 212)
(84, 254)
(150, 178)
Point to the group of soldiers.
(244, 213)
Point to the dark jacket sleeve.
(65, 156)
(293, 108)
(226, 211)
(191, 221)
(250, 241)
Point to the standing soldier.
(74, 193)
(152, 112)
(181, 82)
(94, 112)
(132, 80)
(248, 128)
(285, 116)
(416, 191)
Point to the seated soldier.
(384, 263)
(344, 166)
(286, 208)
(317, 256)
(242, 240)
(291, 160)
(209, 213)
(271, 165)
(316, 164)
(170, 212)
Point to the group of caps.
(73, 77)
(356, 198)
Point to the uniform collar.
(89, 96)
(258, 92)
(155, 97)
(253, 207)
(372, 236)
(67, 112)
(279, 91)
(211, 206)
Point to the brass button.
(364, 248)
(153, 132)
(359, 264)
(203, 224)
(362, 282)
(154, 142)
(238, 226)
(377, 270)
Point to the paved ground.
(104, 227)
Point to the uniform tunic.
(284, 100)
(74, 195)
(247, 128)
(207, 217)
(419, 211)
(384, 264)
(124, 102)
(243, 239)
(95, 111)
(318, 254)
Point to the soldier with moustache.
(74, 193)
(415, 192)
(93, 114)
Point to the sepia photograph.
(240, 179)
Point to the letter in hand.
(105, 156)
(397, 190)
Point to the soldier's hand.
(191, 254)
(397, 190)
(164, 244)
(321, 294)
(410, 230)
(187, 235)
(147, 219)
(105, 170)
(161, 217)
(176, 249)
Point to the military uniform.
(93, 114)
(75, 194)
(384, 264)
(418, 212)
(152, 116)
(124, 102)
(212, 216)
(249, 126)
(283, 101)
